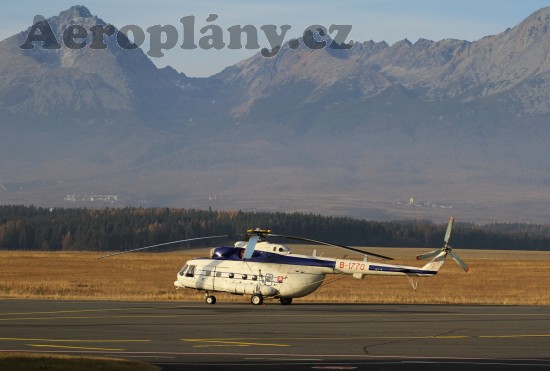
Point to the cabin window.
(190, 272)
(231, 275)
(218, 274)
(182, 271)
(245, 276)
(268, 278)
(207, 273)
(254, 278)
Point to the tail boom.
(363, 268)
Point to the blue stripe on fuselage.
(232, 253)
(379, 268)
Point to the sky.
(378, 20)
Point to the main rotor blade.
(163, 244)
(250, 246)
(335, 245)
(428, 255)
(459, 261)
(449, 230)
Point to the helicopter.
(256, 267)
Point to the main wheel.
(286, 301)
(210, 299)
(257, 299)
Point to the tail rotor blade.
(250, 246)
(449, 230)
(460, 262)
(428, 255)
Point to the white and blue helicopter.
(256, 267)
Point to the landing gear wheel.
(257, 299)
(286, 301)
(210, 299)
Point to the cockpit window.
(190, 272)
(182, 271)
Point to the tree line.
(111, 229)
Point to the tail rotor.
(446, 248)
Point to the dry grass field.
(496, 277)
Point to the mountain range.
(409, 130)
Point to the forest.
(112, 229)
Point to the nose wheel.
(257, 299)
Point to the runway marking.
(138, 356)
(74, 340)
(225, 342)
(438, 337)
(283, 360)
(220, 346)
(515, 336)
(71, 347)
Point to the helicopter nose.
(178, 284)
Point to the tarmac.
(176, 335)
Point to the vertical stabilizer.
(436, 263)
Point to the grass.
(496, 277)
(29, 361)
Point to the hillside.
(462, 127)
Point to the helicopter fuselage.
(268, 274)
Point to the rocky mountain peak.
(83, 82)
(533, 29)
(541, 17)
(76, 15)
(405, 43)
(76, 11)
